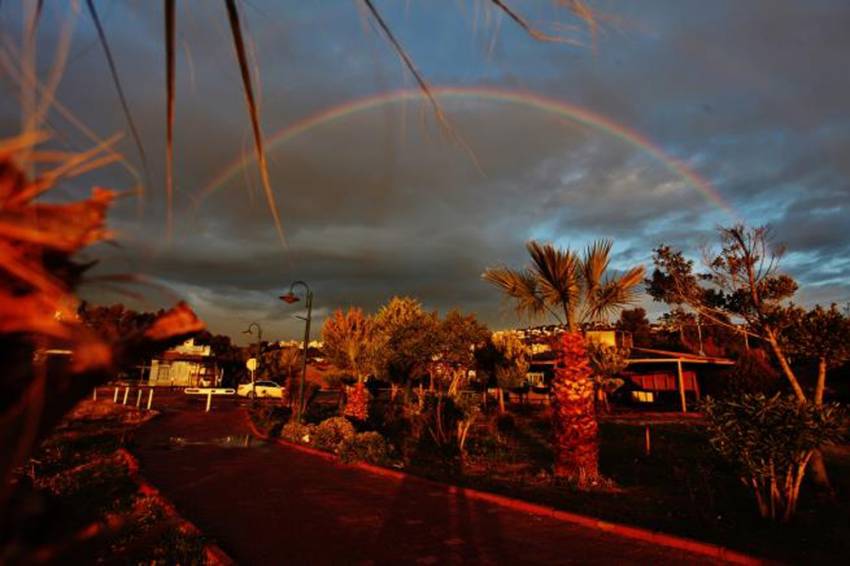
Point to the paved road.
(265, 504)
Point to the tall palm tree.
(574, 289)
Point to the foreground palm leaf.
(38, 308)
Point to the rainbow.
(560, 108)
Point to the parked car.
(260, 389)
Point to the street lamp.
(259, 345)
(290, 298)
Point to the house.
(186, 365)
(652, 374)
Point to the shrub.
(753, 374)
(331, 433)
(391, 419)
(367, 447)
(770, 441)
(297, 432)
(357, 403)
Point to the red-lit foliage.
(357, 404)
(51, 359)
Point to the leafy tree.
(510, 364)
(770, 440)
(281, 365)
(607, 362)
(229, 357)
(349, 344)
(406, 339)
(113, 322)
(458, 336)
(634, 322)
(573, 289)
(820, 334)
(743, 281)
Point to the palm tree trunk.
(574, 414)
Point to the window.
(643, 396)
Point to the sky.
(750, 98)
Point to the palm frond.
(113, 70)
(519, 285)
(539, 34)
(595, 262)
(239, 45)
(169, 114)
(442, 119)
(615, 294)
(557, 273)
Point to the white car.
(260, 389)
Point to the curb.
(213, 553)
(627, 531)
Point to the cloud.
(376, 204)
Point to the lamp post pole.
(259, 345)
(308, 299)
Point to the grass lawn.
(77, 501)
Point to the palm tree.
(348, 342)
(574, 290)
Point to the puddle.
(236, 441)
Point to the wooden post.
(150, 398)
(209, 400)
(126, 393)
(115, 397)
(139, 399)
(681, 385)
(647, 441)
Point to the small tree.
(349, 344)
(770, 441)
(458, 336)
(510, 367)
(634, 322)
(405, 337)
(607, 362)
(743, 282)
(281, 364)
(822, 335)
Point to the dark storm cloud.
(750, 95)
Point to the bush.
(331, 433)
(391, 420)
(297, 432)
(753, 374)
(367, 447)
(770, 441)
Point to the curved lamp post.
(259, 345)
(290, 298)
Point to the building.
(186, 365)
(653, 374)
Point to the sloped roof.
(650, 355)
